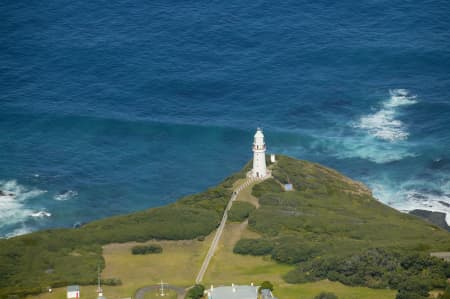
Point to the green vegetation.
(325, 295)
(328, 230)
(146, 249)
(227, 267)
(196, 292)
(269, 186)
(410, 273)
(445, 294)
(266, 285)
(177, 265)
(240, 211)
(253, 247)
(311, 289)
(334, 224)
(59, 257)
(168, 294)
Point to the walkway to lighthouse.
(223, 222)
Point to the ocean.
(111, 107)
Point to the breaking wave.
(66, 195)
(413, 195)
(41, 214)
(383, 123)
(372, 150)
(12, 205)
(19, 231)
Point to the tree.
(196, 292)
(325, 295)
(266, 285)
(408, 295)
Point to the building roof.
(235, 292)
(73, 288)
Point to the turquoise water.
(108, 108)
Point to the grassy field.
(156, 295)
(227, 267)
(310, 290)
(178, 265)
(86, 292)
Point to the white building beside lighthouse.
(259, 155)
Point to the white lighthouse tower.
(259, 155)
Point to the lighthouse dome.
(259, 133)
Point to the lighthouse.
(259, 155)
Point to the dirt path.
(219, 231)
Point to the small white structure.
(101, 296)
(259, 155)
(272, 158)
(288, 187)
(73, 292)
(233, 292)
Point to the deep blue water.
(109, 107)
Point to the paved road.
(219, 231)
(141, 292)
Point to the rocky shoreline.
(4, 193)
(437, 218)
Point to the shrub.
(112, 282)
(268, 186)
(409, 295)
(415, 285)
(266, 285)
(240, 211)
(146, 249)
(376, 268)
(253, 247)
(325, 295)
(292, 251)
(195, 292)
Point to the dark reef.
(437, 218)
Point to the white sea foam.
(400, 97)
(19, 231)
(41, 214)
(66, 195)
(383, 123)
(12, 206)
(408, 196)
(370, 148)
(19, 192)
